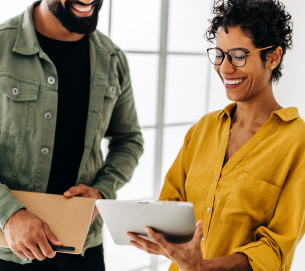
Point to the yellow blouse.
(255, 204)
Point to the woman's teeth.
(233, 82)
(83, 9)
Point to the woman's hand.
(188, 256)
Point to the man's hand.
(29, 237)
(86, 192)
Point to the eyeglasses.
(237, 56)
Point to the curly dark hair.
(265, 21)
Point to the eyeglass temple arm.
(262, 49)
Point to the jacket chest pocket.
(16, 105)
(112, 93)
(251, 202)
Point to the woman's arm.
(189, 256)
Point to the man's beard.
(70, 21)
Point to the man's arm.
(126, 142)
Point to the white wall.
(291, 90)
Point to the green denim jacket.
(28, 91)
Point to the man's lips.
(83, 10)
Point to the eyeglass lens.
(236, 57)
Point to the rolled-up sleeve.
(275, 243)
(9, 205)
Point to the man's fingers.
(19, 253)
(51, 236)
(36, 252)
(75, 190)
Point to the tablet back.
(174, 220)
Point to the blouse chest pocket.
(16, 105)
(251, 202)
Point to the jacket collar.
(27, 43)
(285, 114)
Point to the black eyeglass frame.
(235, 49)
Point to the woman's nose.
(226, 67)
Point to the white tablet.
(174, 220)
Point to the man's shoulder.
(11, 24)
(107, 43)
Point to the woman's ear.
(275, 58)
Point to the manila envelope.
(68, 218)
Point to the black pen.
(61, 248)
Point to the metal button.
(113, 90)
(51, 80)
(202, 239)
(216, 179)
(45, 151)
(209, 209)
(15, 91)
(48, 115)
(38, 187)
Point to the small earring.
(273, 67)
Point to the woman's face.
(255, 75)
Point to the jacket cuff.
(261, 257)
(106, 190)
(8, 207)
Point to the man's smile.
(83, 11)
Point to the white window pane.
(217, 93)
(164, 265)
(173, 142)
(103, 22)
(299, 261)
(187, 24)
(186, 85)
(123, 258)
(144, 76)
(135, 24)
(12, 8)
(141, 184)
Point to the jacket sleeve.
(9, 205)
(276, 243)
(174, 183)
(126, 142)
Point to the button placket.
(38, 187)
(48, 115)
(45, 151)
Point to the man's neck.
(48, 25)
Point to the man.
(63, 87)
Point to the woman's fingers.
(147, 245)
(198, 233)
(169, 248)
(137, 245)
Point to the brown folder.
(68, 218)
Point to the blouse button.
(209, 209)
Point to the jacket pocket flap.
(18, 90)
(113, 89)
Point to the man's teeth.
(83, 9)
(233, 82)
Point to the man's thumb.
(51, 236)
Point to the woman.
(241, 167)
